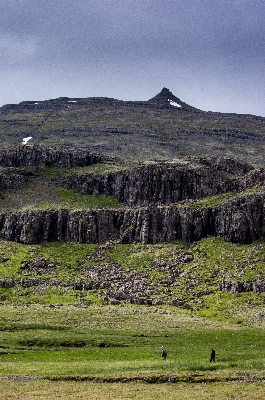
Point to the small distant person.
(163, 353)
(212, 355)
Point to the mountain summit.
(162, 128)
(166, 98)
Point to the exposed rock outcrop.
(238, 221)
(11, 178)
(35, 157)
(159, 198)
(161, 183)
(236, 287)
(38, 266)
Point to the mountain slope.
(160, 129)
(81, 223)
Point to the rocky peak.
(167, 99)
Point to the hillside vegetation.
(125, 226)
(213, 278)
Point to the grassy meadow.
(102, 352)
(57, 342)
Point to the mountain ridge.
(163, 99)
(159, 129)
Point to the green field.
(101, 352)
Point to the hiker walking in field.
(163, 353)
(212, 355)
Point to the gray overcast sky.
(209, 53)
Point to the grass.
(98, 338)
(211, 201)
(75, 201)
(41, 195)
(13, 254)
(99, 168)
(140, 256)
(219, 199)
(114, 352)
(42, 389)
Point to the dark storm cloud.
(208, 53)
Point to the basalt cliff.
(158, 202)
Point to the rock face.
(238, 221)
(11, 178)
(161, 184)
(35, 157)
(257, 286)
(160, 200)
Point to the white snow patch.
(36, 103)
(72, 101)
(173, 103)
(26, 139)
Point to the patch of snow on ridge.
(26, 139)
(173, 103)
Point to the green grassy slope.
(201, 268)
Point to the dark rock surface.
(166, 99)
(162, 184)
(160, 200)
(35, 157)
(38, 266)
(238, 221)
(257, 286)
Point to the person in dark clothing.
(163, 353)
(212, 355)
